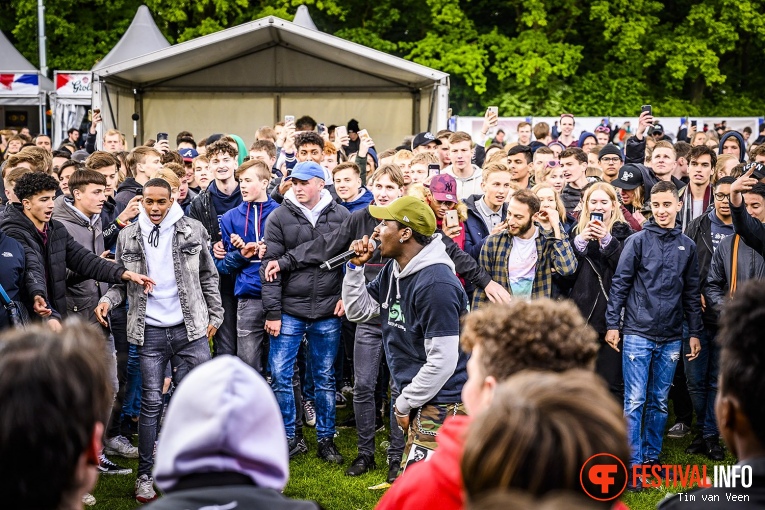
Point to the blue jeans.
(132, 405)
(159, 346)
(701, 374)
(323, 338)
(648, 368)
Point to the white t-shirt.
(522, 265)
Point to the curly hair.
(308, 138)
(221, 147)
(742, 352)
(540, 431)
(552, 335)
(34, 183)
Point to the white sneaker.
(120, 445)
(144, 489)
(309, 413)
(88, 499)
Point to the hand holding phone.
(451, 219)
(433, 169)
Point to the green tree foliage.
(593, 57)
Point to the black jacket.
(476, 230)
(12, 264)
(356, 226)
(203, 210)
(750, 266)
(591, 284)
(126, 191)
(309, 293)
(749, 228)
(51, 260)
(109, 222)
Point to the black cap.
(424, 139)
(658, 128)
(611, 149)
(630, 177)
(759, 170)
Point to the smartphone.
(289, 118)
(596, 216)
(451, 219)
(97, 110)
(647, 108)
(494, 110)
(363, 134)
(434, 169)
(161, 136)
(110, 256)
(341, 132)
(322, 129)
(694, 123)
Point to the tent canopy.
(141, 37)
(267, 68)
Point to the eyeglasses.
(722, 196)
(610, 160)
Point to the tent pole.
(41, 38)
(416, 102)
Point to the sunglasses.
(553, 163)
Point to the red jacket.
(437, 482)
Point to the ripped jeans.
(649, 368)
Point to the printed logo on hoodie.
(396, 316)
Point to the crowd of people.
(463, 293)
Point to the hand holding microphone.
(359, 253)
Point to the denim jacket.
(195, 274)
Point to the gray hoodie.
(420, 308)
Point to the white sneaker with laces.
(120, 445)
(144, 489)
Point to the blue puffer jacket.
(242, 221)
(657, 284)
(741, 144)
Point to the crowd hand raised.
(364, 145)
(219, 252)
(364, 250)
(490, 120)
(102, 310)
(95, 121)
(742, 185)
(273, 327)
(54, 325)
(272, 269)
(142, 280)
(162, 146)
(645, 120)
(40, 307)
(131, 209)
(289, 137)
(612, 339)
(453, 231)
(497, 293)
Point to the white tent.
(239, 79)
(73, 93)
(22, 90)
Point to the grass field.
(311, 478)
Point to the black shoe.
(297, 445)
(714, 449)
(394, 465)
(328, 451)
(361, 465)
(697, 446)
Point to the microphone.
(135, 129)
(341, 259)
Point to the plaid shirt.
(553, 256)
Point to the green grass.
(311, 478)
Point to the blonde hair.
(616, 213)
(493, 168)
(558, 200)
(402, 155)
(168, 176)
(722, 159)
(544, 173)
(498, 158)
(427, 158)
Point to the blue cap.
(306, 170)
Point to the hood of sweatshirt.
(173, 215)
(253, 213)
(741, 144)
(433, 253)
(229, 201)
(64, 209)
(223, 418)
(241, 148)
(129, 184)
(363, 200)
(651, 226)
(312, 215)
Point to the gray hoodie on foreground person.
(223, 443)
